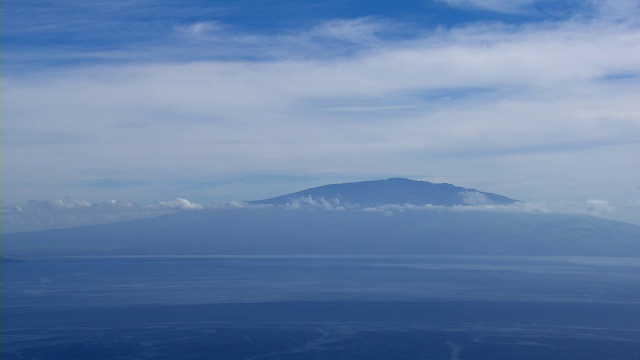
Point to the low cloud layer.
(179, 204)
(60, 213)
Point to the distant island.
(393, 216)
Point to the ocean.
(321, 307)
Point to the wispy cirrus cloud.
(200, 29)
(500, 6)
(359, 30)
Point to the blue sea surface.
(321, 307)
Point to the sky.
(196, 102)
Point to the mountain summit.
(392, 191)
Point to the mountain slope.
(393, 191)
(278, 231)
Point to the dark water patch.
(315, 341)
(321, 308)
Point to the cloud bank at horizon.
(60, 213)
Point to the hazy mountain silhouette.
(281, 231)
(275, 230)
(393, 191)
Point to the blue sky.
(237, 100)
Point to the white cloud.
(475, 198)
(200, 28)
(501, 6)
(607, 9)
(391, 208)
(240, 205)
(361, 30)
(59, 213)
(180, 203)
(66, 204)
(589, 207)
(309, 202)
